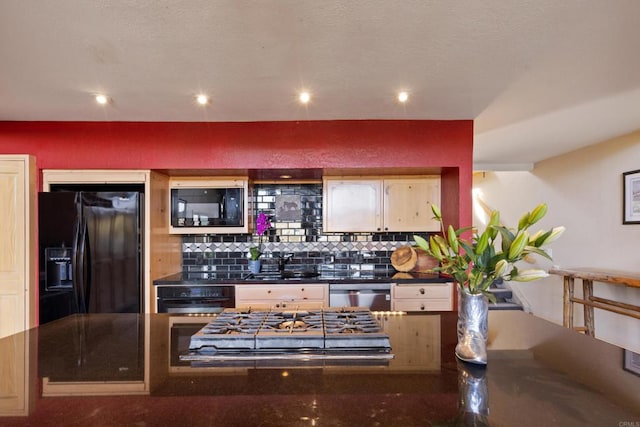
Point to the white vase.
(254, 266)
(473, 311)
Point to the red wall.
(257, 145)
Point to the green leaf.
(541, 252)
(514, 273)
(490, 296)
(507, 238)
(436, 212)
(538, 239)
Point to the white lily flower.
(501, 267)
(555, 233)
(530, 275)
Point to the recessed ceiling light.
(102, 99)
(202, 99)
(304, 97)
(285, 176)
(403, 96)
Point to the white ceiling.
(538, 77)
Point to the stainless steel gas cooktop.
(329, 333)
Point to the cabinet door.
(352, 205)
(17, 284)
(17, 272)
(407, 204)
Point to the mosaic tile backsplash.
(295, 211)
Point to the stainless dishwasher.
(375, 296)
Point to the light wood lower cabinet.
(422, 297)
(416, 342)
(282, 296)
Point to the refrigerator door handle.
(77, 258)
(75, 273)
(83, 266)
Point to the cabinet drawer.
(428, 291)
(280, 293)
(436, 304)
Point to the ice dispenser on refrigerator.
(58, 269)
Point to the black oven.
(195, 299)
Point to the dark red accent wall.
(256, 145)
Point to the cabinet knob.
(302, 289)
(269, 292)
(422, 291)
(422, 307)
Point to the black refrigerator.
(90, 252)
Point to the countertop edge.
(179, 280)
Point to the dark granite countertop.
(293, 276)
(538, 374)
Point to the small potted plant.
(262, 225)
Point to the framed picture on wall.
(631, 197)
(288, 208)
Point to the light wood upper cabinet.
(407, 204)
(380, 204)
(352, 205)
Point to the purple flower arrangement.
(262, 225)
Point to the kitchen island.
(125, 369)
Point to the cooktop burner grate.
(343, 330)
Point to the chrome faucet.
(282, 261)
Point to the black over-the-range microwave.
(196, 205)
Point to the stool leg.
(587, 291)
(567, 312)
